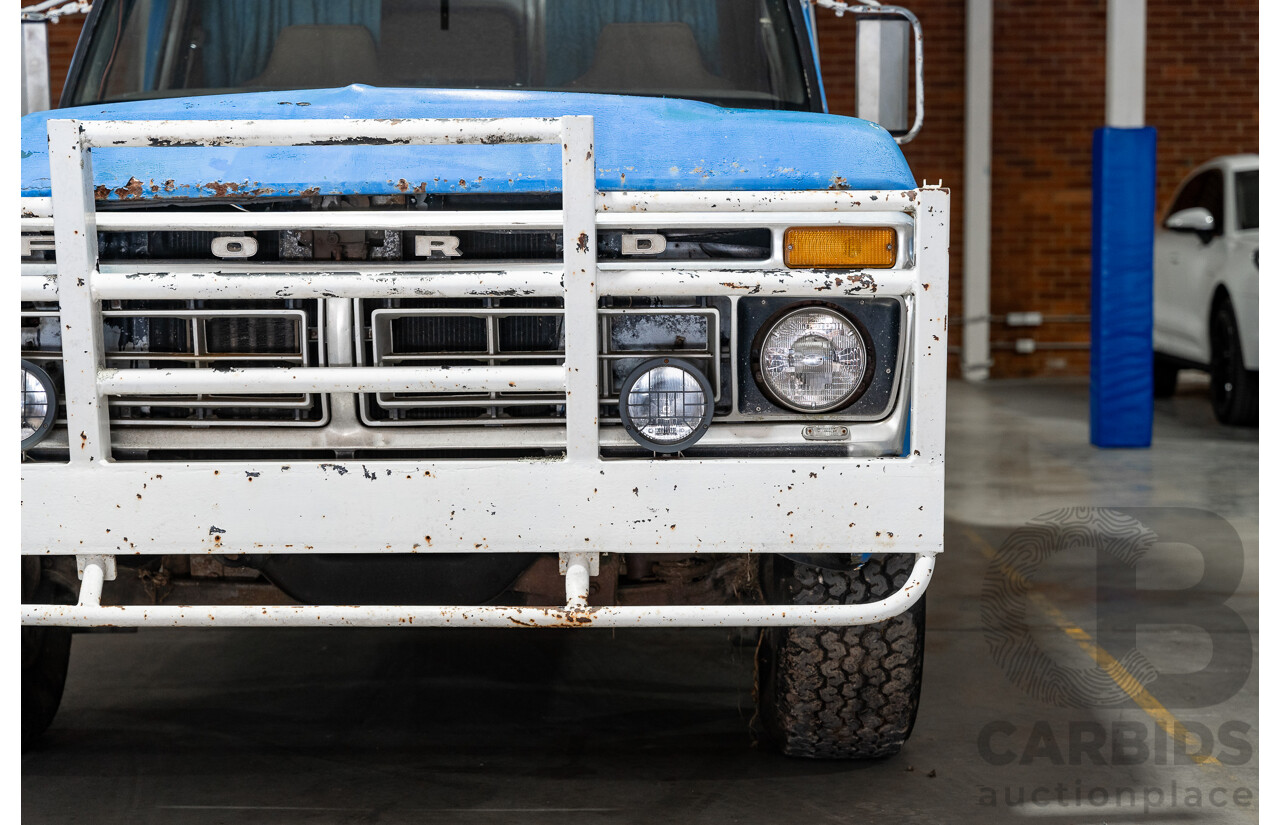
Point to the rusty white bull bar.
(97, 508)
(90, 612)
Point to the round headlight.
(39, 404)
(666, 404)
(814, 359)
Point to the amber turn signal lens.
(840, 247)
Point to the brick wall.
(1049, 94)
(1049, 71)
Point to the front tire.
(839, 692)
(46, 651)
(1233, 388)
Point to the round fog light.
(666, 404)
(39, 404)
(814, 360)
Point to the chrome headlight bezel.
(770, 326)
(51, 402)
(635, 430)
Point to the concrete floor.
(353, 726)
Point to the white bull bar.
(90, 612)
(577, 507)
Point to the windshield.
(729, 52)
(1247, 199)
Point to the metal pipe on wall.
(976, 265)
(1126, 63)
(35, 66)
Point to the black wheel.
(1165, 376)
(45, 650)
(839, 692)
(1233, 388)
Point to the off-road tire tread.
(46, 651)
(842, 692)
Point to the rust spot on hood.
(132, 189)
(222, 189)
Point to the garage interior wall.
(1049, 73)
(1049, 95)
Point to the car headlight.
(666, 404)
(39, 404)
(814, 359)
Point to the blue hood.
(642, 143)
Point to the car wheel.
(1165, 376)
(46, 651)
(1233, 388)
(839, 692)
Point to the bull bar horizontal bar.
(90, 612)
(326, 132)
(331, 379)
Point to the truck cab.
(503, 313)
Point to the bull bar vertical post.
(578, 193)
(581, 364)
(76, 246)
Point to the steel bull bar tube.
(91, 613)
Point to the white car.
(1206, 286)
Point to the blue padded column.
(1120, 380)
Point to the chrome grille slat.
(487, 331)
(203, 351)
(199, 335)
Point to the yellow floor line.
(1122, 677)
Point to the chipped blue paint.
(642, 144)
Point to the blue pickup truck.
(489, 313)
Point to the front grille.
(529, 332)
(713, 334)
(455, 333)
(192, 334)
